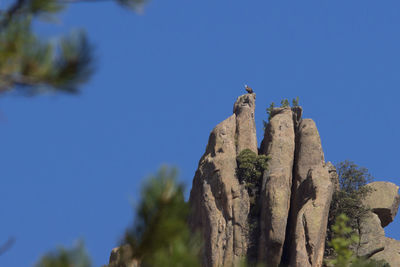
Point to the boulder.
(220, 204)
(279, 145)
(372, 236)
(384, 200)
(391, 253)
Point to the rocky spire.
(279, 145)
(220, 204)
(311, 196)
(292, 200)
(293, 197)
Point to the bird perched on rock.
(248, 89)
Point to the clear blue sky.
(72, 165)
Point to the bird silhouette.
(248, 89)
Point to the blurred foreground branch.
(7, 245)
(29, 64)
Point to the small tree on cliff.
(251, 166)
(343, 238)
(348, 200)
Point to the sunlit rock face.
(285, 223)
(279, 145)
(293, 197)
(220, 204)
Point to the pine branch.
(7, 245)
(12, 11)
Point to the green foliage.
(348, 200)
(285, 103)
(74, 257)
(270, 109)
(30, 64)
(251, 166)
(44, 6)
(353, 178)
(160, 235)
(343, 238)
(295, 102)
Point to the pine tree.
(30, 64)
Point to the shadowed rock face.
(220, 204)
(372, 236)
(391, 253)
(285, 220)
(311, 196)
(308, 225)
(294, 195)
(279, 145)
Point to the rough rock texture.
(383, 200)
(372, 236)
(312, 194)
(333, 174)
(294, 195)
(117, 259)
(245, 124)
(284, 222)
(220, 202)
(279, 145)
(391, 253)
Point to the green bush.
(251, 167)
(285, 103)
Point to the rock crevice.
(294, 194)
(221, 203)
(281, 218)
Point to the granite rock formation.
(390, 253)
(295, 191)
(384, 203)
(279, 145)
(292, 202)
(311, 196)
(294, 195)
(220, 202)
(383, 200)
